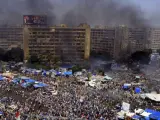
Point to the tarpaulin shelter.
(151, 96)
(44, 73)
(126, 86)
(154, 114)
(24, 78)
(1, 113)
(39, 85)
(107, 77)
(67, 73)
(58, 73)
(137, 90)
(1, 78)
(136, 117)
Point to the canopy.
(137, 90)
(107, 77)
(136, 117)
(1, 78)
(24, 77)
(39, 85)
(67, 73)
(152, 96)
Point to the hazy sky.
(150, 7)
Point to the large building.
(154, 38)
(66, 43)
(121, 41)
(138, 39)
(103, 40)
(11, 36)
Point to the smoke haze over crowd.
(93, 12)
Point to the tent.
(154, 114)
(30, 80)
(67, 73)
(136, 117)
(1, 78)
(137, 90)
(107, 77)
(1, 113)
(39, 85)
(24, 78)
(58, 73)
(126, 86)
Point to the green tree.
(15, 54)
(76, 68)
(34, 59)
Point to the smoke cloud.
(93, 12)
(105, 12)
(12, 11)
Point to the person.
(17, 115)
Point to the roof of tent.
(24, 77)
(68, 73)
(153, 113)
(1, 78)
(40, 84)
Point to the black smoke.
(93, 12)
(105, 12)
(12, 11)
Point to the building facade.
(138, 39)
(103, 40)
(121, 41)
(66, 43)
(11, 36)
(154, 39)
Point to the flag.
(17, 115)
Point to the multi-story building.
(138, 39)
(102, 40)
(11, 36)
(66, 43)
(154, 38)
(121, 41)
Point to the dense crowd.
(73, 100)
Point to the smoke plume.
(93, 12)
(105, 12)
(12, 11)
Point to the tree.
(33, 59)
(76, 68)
(2, 54)
(15, 54)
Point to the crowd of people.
(73, 101)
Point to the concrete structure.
(11, 36)
(102, 40)
(121, 41)
(154, 38)
(66, 43)
(138, 39)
